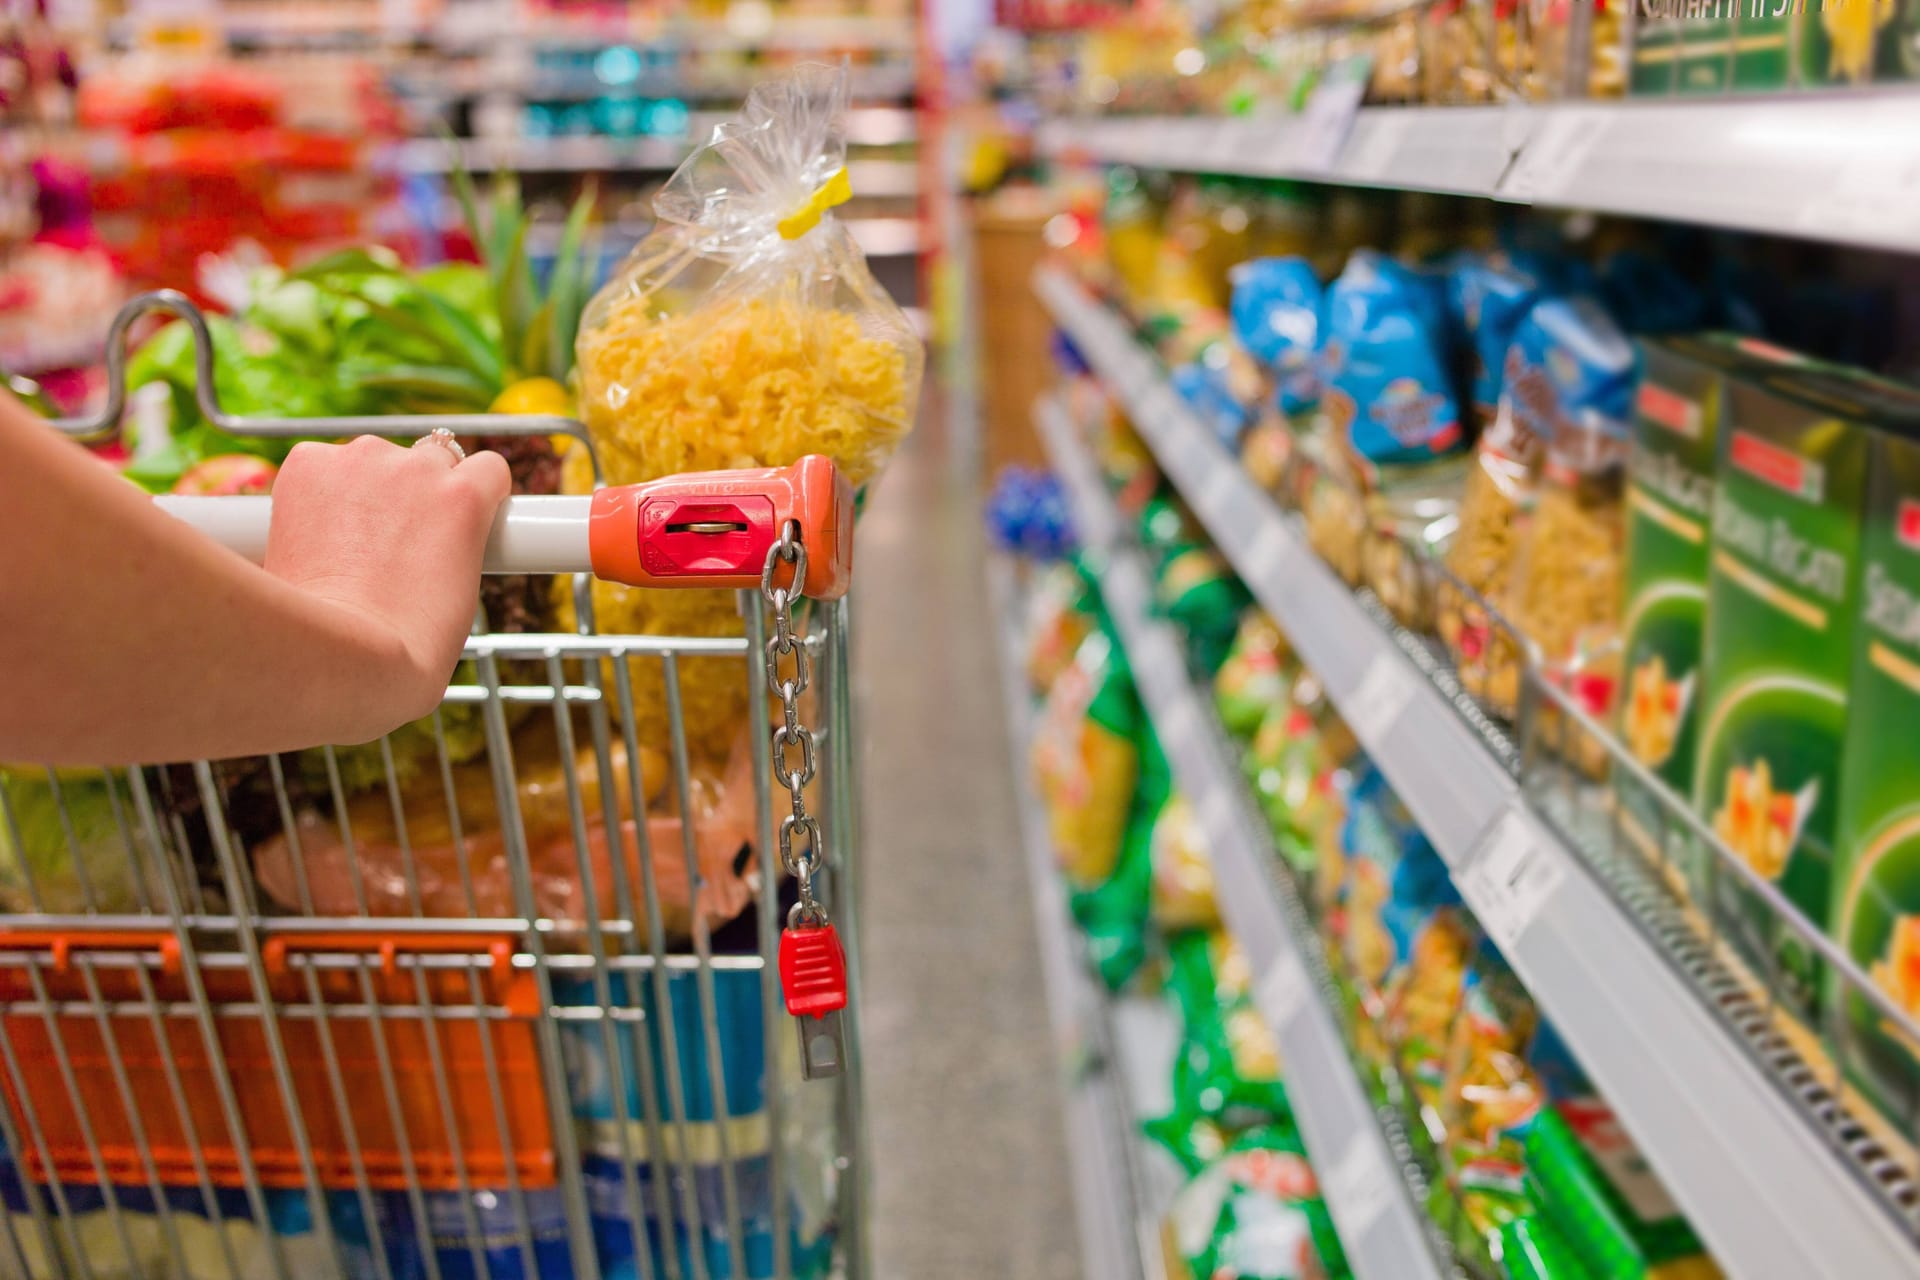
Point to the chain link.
(802, 850)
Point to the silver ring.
(444, 438)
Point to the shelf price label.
(1377, 701)
(1359, 1187)
(1330, 113)
(1553, 155)
(1874, 191)
(1377, 140)
(1511, 879)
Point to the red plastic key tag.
(813, 976)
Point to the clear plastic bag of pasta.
(745, 330)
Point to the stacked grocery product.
(1593, 478)
(1530, 1175)
(746, 332)
(1267, 59)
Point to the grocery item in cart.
(379, 856)
(1256, 1214)
(744, 330)
(622, 1077)
(1876, 908)
(70, 841)
(1664, 616)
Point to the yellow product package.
(745, 330)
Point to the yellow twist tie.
(835, 190)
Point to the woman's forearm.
(127, 636)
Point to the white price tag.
(1555, 153)
(1270, 551)
(1358, 1188)
(1330, 114)
(1511, 879)
(1282, 991)
(1377, 701)
(1377, 139)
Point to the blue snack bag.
(1488, 298)
(1570, 375)
(1204, 390)
(1276, 316)
(1383, 360)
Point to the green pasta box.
(1876, 910)
(1782, 595)
(1669, 517)
(1715, 46)
(1602, 1197)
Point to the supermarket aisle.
(964, 1108)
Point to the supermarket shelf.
(1116, 1053)
(1839, 167)
(1381, 1224)
(1749, 1166)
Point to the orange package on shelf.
(357, 1005)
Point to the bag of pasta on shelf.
(745, 330)
(1568, 574)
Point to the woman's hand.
(394, 536)
(126, 636)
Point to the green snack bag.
(1256, 1214)
(1165, 527)
(1113, 915)
(1597, 1189)
(1783, 592)
(1530, 1249)
(1669, 516)
(1253, 679)
(1200, 595)
(1085, 760)
(1227, 1072)
(1876, 911)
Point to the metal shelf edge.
(1753, 1176)
(1821, 166)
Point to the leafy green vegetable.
(36, 857)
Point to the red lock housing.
(813, 970)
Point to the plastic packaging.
(1255, 676)
(1257, 1214)
(745, 330)
(95, 858)
(1182, 871)
(1085, 760)
(1386, 367)
(1276, 318)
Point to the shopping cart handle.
(702, 529)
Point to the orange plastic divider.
(386, 1136)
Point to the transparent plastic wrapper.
(745, 331)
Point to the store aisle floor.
(970, 1176)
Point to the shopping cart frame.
(177, 932)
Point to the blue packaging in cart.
(607, 1098)
(506, 1252)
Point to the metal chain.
(798, 828)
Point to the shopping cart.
(284, 1018)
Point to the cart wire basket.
(492, 997)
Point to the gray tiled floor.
(970, 1179)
